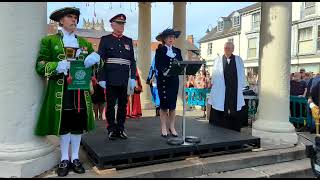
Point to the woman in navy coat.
(168, 86)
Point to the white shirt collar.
(66, 33)
(169, 47)
(69, 39)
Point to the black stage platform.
(146, 146)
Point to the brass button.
(58, 107)
(59, 95)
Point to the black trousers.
(116, 94)
(232, 121)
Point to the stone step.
(292, 169)
(193, 167)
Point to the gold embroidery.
(61, 57)
(60, 82)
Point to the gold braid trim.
(49, 69)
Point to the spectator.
(298, 87)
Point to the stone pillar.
(144, 51)
(179, 23)
(272, 125)
(22, 154)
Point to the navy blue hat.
(118, 18)
(166, 33)
(60, 13)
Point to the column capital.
(179, 3)
(144, 4)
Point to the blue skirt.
(168, 88)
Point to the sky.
(200, 15)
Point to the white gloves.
(91, 59)
(132, 84)
(63, 67)
(102, 84)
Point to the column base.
(29, 168)
(275, 139)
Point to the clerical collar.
(65, 32)
(228, 57)
(117, 36)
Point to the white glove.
(91, 59)
(63, 67)
(102, 84)
(132, 84)
(78, 52)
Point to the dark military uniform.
(118, 55)
(168, 86)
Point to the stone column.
(179, 23)
(22, 154)
(272, 125)
(144, 51)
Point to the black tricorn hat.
(167, 32)
(118, 18)
(60, 13)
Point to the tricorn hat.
(118, 18)
(60, 13)
(167, 32)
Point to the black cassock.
(230, 118)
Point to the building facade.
(242, 27)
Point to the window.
(209, 52)
(220, 25)
(256, 20)
(305, 40)
(252, 48)
(236, 21)
(309, 8)
(318, 39)
(230, 40)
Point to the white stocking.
(75, 143)
(64, 146)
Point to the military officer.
(118, 74)
(168, 85)
(65, 113)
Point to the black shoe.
(63, 168)
(123, 135)
(164, 135)
(77, 166)
(112, 135)
(174, 135)
(158, 112)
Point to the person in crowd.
(134, 103)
